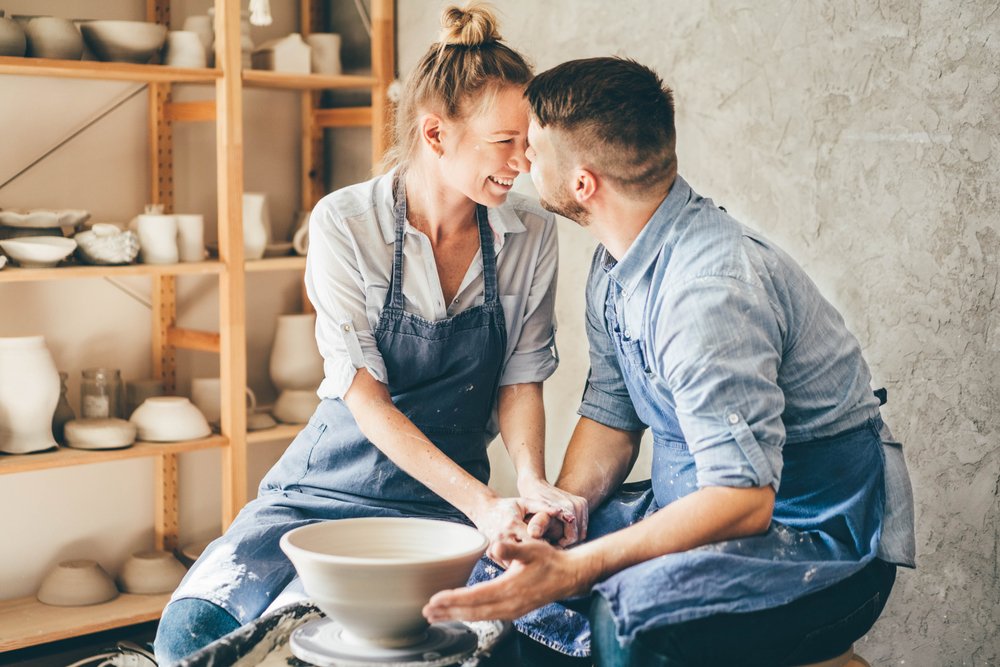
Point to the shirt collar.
(630, 269)
(503, 220)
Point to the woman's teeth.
(506, 182)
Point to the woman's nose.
(519, 160)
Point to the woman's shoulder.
(528, 209)
(351, 202)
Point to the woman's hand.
(506, 520)
(567, 525)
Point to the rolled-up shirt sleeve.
(534, 357)
(718, 346)
(336, 288)
(605, 397)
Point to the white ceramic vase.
(29, 393)
(256, 225)
(295, 359)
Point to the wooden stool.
(845, 659)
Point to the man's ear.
(585, 183)
(431, 132)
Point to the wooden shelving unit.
(26, 622)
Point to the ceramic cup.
(201, 25)
(137, 391)
(206, 394)
(157, 238)
(150, 573)
(190, 236)
(325, 55)
(300, 240)
(184, 49)
(76, 583)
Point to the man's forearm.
(598, 459)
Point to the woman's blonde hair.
(468, 62)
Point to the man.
(779, 505)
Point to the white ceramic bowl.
(41, 218)
(124, 41)
(99, 433)
(150, 573)
(76, 583)
(169, 419)
(38, 251)
(375, 575)
(107, 244)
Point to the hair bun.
(473, 25)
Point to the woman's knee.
(188, 625)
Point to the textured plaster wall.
(863, 137)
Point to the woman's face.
(485, 152)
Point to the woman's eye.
(504, 141)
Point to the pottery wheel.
(322, 642)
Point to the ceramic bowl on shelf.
(124, 41)
(105, 243)
(191, 552)
(77, 583)
(38, 251)
(51, 37)
(3, 261)
(374, 575)
(43, 217)
(169, 419)
(99, 433)
(150, 573)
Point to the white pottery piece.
(190, 236)
(184, 49)
(201, 25)
(256, 225)
(325, 56)
(189, 553)
(3, 261)
(288, 54)
(300, 240)
(206, 394)
(124, 41)
(38, 251)
(169, 419)
(43, 218)
(150, 573)
(13, 41)
(109, 433)
(77, 583)
(157, 238)
(375, 575)
(295, 406)
(53, 37)
(295, 359)
(107, 244)
(279, 249)
(29, 394)
(260, 421)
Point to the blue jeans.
(188, 625)
(816, 627)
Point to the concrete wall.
(863, 137)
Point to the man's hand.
(506, 520)
(539, 573)
(564, 528)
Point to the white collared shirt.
(349, 267)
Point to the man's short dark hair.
(615, 115)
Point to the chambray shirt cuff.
(340, 372)
(525, 367)
(739, 461)
(609, 410)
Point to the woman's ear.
(431, 133)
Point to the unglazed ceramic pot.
(295, 359)
(53, 37)
(325, 56)
(29, 393)
(108, 433)
(375, 575)
(76, 583)
(256, 224)
(169, 419)
(295, 406)
(150, 573)
(124, 41)
(12, 39)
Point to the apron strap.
(490, 292)
(395, 299)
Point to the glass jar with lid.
(101, 394)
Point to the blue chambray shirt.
(739, 341)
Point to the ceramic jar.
(12, 39)
(295, 359)
(53, 37)
(256, 225)
(29, 393)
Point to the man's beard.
(567, 207)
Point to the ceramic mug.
(190, 236)
(185, 49)
(206, 393)
(157, 238)
(325, 54)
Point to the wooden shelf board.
(254, 78)
(276, 264)
(67, 456)
(27, 622)
(16, 274)
(86, 69)
(279, 432)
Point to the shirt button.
(628, 333)
(734, 418)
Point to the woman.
(434, 294)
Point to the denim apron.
(443, 375)
(822, 530)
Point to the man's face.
(550, 175)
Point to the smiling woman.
(434, 291)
